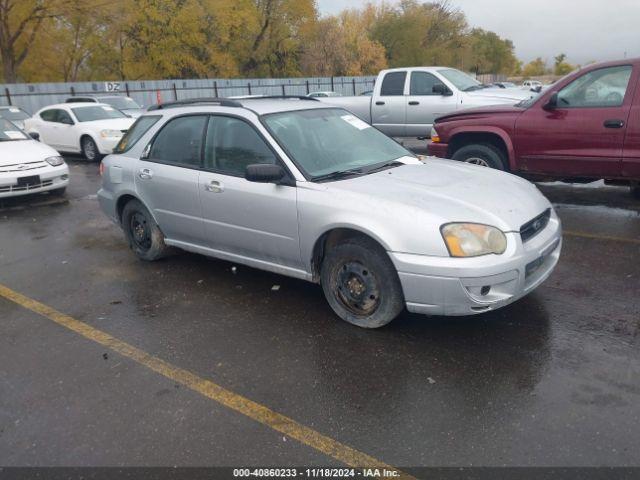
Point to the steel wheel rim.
(477, 161)
(89, 150)
(356, 288)
(140, 232)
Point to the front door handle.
(414, 103)
(214, 187)
(379, 103)
(145, 174)
(613, 123)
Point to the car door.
(583, 134)
(389, 107)
(257, 221)
(631, 150)
(45, 126)
(166, 178)
(424, 104)
(65, 131)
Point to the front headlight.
(111, 134)
(435, 137)
(54, 161)
(473, 239)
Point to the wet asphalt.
(552, 380)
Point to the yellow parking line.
(281, 423)
(594, 236)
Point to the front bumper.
(468, 286)
(439, 150)
(51, 178)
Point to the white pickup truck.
(406, 101)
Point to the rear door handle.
(145, 174)
(613, 123)
(379, 103)
(414, 103)
(214, 187)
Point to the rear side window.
(49, 115)
(135, 133)
(393, 84)
(180, 142)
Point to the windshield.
(99, 112)
(461, 80)
(9, 132)
(13, 113)
(121, 103)
(325, 141)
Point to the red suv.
(584, 127)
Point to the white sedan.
(92, 129)
(28, 166)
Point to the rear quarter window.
(136, 132)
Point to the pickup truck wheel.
(361, 284)
(482, 154)
(142, 232)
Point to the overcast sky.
(583, 29)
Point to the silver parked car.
(307, 190)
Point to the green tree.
(490, 54)
(535, 68)
(560, 66)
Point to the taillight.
(101, 168)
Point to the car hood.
(481, 111)
(500, 95)
(133, 112)
(109, 123)
(451, 191)
(23, 151)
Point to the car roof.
(259, 106)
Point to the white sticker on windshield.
(14, 110)
(108, 109)
(355, 122)
(15, 135)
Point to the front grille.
(22, 167)
(25, 188)
(535, 225)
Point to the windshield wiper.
(339, 174)
(384, 166)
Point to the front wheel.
(142, 232)
(483, 154)
(90, 149)
(361, 284)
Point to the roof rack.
(285, 97)
(223, 102)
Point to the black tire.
(90, 149)
(635, 192)
(58, 192)
(361, 284)
(142, 232)
(482, 154)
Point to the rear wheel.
(142, 232)
(482, 154)
(90, 149)
(361, 284)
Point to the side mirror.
(67, 121)
(552, 103)
(264, 173)
(35, 135)
(441, 89)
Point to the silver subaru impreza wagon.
(297, 187)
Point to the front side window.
(180, 142)
(98, 112)
(232, 144)
(605, 87)
(422, 83)
(393, 84)
(135, 133)
(328, 140)
(64, 117)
